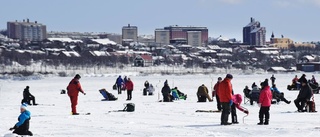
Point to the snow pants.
(129, 94)
(264, 113)
(74, 103)
(225, 112)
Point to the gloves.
(84, 93)
(246, 111)
(230, 102)
(13, 127)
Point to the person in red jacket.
(225, 95)
(129, 86)
(264, 103)
(73, 89)
(215, 92)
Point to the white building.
(194, 38)
(162, 36)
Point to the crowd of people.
(227, 102)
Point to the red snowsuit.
(73, 90)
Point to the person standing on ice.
(216, 93)
(166, 92)
(73, 89)
(225, 94)
(273, 79)
(119, 83)
(129, 87)
(264, 103)
(22, 127)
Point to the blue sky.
(295, 19)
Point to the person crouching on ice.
(22, 127)
(237, 99)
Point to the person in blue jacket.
(278, 95)
(119, 83)
(22, 126)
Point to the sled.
(107, 96)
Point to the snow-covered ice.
(150, 118)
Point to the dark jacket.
(26, 93)
(165, 90)
(119, 81)
(305, 92)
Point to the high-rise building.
(187, 34)
(254, 34)
(162, 36)
(130, 33)
(194, 38)
(26, 30)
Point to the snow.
(150, 118)
(105, 41)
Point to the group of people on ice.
(171, 94)
(227, 101)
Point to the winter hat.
(166, 82)
(77, 76)
(219, 78)
(229, 76)
(265, 83)
(24, 106)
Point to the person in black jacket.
(28, 97)
(304, 95)
(166, 92)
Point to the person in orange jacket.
(73, 89)
(129, 87)
(225, 95)
(216, 93)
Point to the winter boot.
(260, 123)
(266, 122)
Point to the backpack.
(129, 107)
(311, 106)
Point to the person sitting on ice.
(22, 126)
(150, 89)
(176, 95)
(254, 94)
(304, 95)
(146, 88)
(278, 95)
(202, 94)
(28, 97)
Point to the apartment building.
(26, 30)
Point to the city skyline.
(294, 19)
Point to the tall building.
(130, 33)
(191, 35)
(194, 38)
(26, 30)
(162, 36)
(254, 34)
